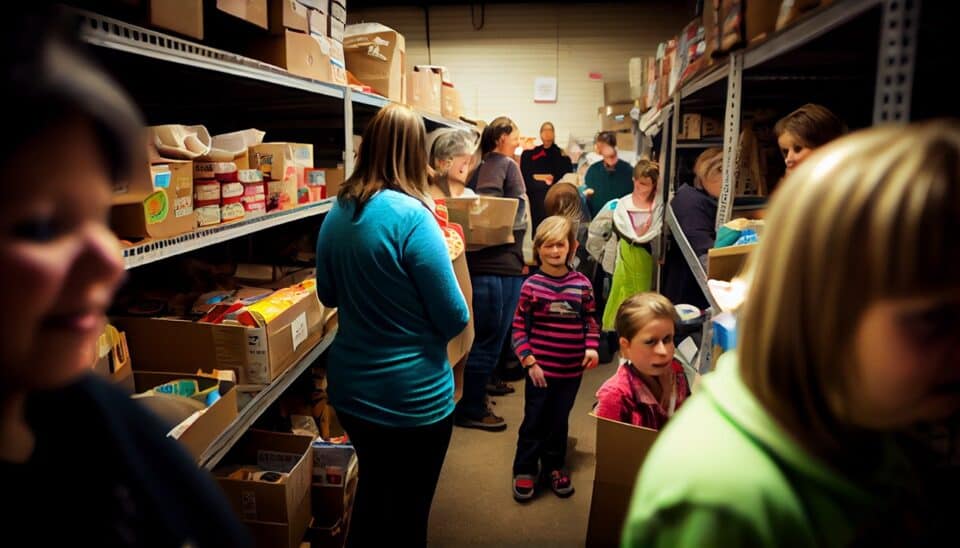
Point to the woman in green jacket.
(849, 339)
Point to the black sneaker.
(499, 388)
(488, 422)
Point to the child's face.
(793, 152)
(60, 262)
(643, 185)
(651, 349)
(555, 253)
(908, 362)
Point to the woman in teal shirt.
(383, 261)
(848, 340)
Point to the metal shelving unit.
(769, 63)
(249, 414)
(157, 250)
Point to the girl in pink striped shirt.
(555, 335)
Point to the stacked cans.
(219, 193)
(254, 197)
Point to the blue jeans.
(494, 303)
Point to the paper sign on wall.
(545, 89)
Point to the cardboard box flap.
(621, 449)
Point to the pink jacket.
(625, 397)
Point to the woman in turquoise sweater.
(848, 340)
(383, 261)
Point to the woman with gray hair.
(452, 157)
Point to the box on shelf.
(376, 55)
(485, 220)
(338, 10)
(690, 127)
(615, 117)
(338, 66)
(283, 162)
(183, 17)
(742, 22)
(288, 14)
(332, 503)
(710, 127)
(337, 29)
(166, 211)
(725, 263)
(251, 11)
(258, 355)
(317, 24)
(621, 450)
(711, 30)
(277, 513)
(626, 142)
(295, 51)
(197, 435)
(615, 93)
(323, 6)
(637, 73)
(451, 102)
(425, 87)
(113, 359)
(332, 462)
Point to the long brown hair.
(492, 134)
(813, 125)
(393, 156)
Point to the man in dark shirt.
(541, 167)
(612, 178)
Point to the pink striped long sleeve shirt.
(555, 323)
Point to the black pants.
(543, 434)
(399, 469)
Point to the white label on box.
(183, 207)
(275, 461)
(248, 504)
(299, 330)
(258, 363)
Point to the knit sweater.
(555, 323)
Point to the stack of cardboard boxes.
(615, 114)
(431, 90)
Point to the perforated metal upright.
(895, 62)
(731, 137)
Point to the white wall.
(494, 68)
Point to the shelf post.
(895, 61)
(731, 137)
(348, 152)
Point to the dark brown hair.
(813, 125)
(492, 134)
(649, 169)
(607, 138)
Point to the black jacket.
(104, 473)
(696, 212)
(536, 161)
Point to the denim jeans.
(494, 303)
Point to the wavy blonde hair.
(393, 156)
(870, 216)
(557, 228)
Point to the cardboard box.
(251, 11)
(626, 141)
(115, 365)
(690, 127)
(332, 462)
(277, 514)
(451, 102)
(376, 56)
(332, 503)
(710, 127)
(337, 64)
(288, 14)
(425, 87)
(295, 51)
(167, 211)
(275, 160)
(337, 29)
(317, 23)
(615, 117)
(323, 6)
(486, 220)
(637, 71)
(338, 10)
(208, 426)
(621, 450)
(324, 182)
(459, 346)
(615, 93)
(742, 22)
(725, 263)
(257, 355)
(183, 17)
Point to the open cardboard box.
(621, 450)
(376, 55)
(486, 220)
(160, 209)
(332, 503)
(277, 514)
(257, 355)
(725, 263)
(207, 427)
(425, 88)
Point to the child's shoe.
(560, 483)
(524, 487)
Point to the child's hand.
(536, 375)
(591, 359)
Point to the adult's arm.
(427, 261)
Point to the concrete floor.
(474, 504)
